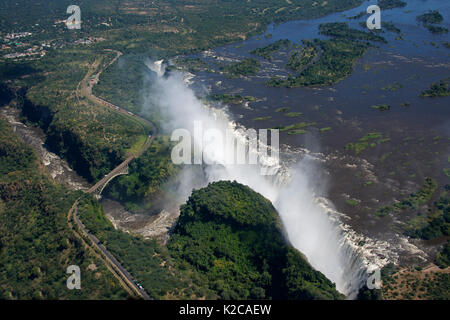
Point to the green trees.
(438, 89)
(268, 51)
(146, 260)
(233, 237)
(429, 19)
(246, 67)
(36, 244)
(433, 16)
(147, 175)
(390, 4)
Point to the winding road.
(84, 89)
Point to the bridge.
(97, 189)
(125, 279)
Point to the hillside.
(36, 244)
(233, 237)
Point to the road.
(84, 89)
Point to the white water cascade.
(311, 223)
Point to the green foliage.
(334, 64)
(430, 18)
(393, 87)
(436, 29)
(147, 174)
(146, 260)
(192, 65)
(389, 26)
(246, 67)
(283, 109)
(268, 51)
(443, 256)
(434, 16)
(341, 30)
(414, 200)
(300, 60)
(92, 138)
(233, 237)
(435, 225)
(370, 140)
(296, 128)
(120, 82)
(36, 244)
(382, 107)
(336, 60)
(438, 89)
(390, 4)
(232, 99)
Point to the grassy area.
(137, 146)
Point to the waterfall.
(311, 223)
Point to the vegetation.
(430, 18)
(335, 61)
(389, 26)
(358, 16)
(232, 99)
(92, 138)
(436, 29)
(370, 140)
(232, 236)
(433, 225)
(382, 107)
(268, 51)
(192, 65)
(413, 201)
(433, 16)
(283, 109)
(147, 174)
(36, 244)
(300, 60)
(246, 67)
(393, 87)
(262, 118)
(390, 4)
(416, 284)
(293, 114)
(146, 260)
(324, 130)
(341, 30)
(443, 256)
(438, 89)
(296, 128)
(334, 64)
